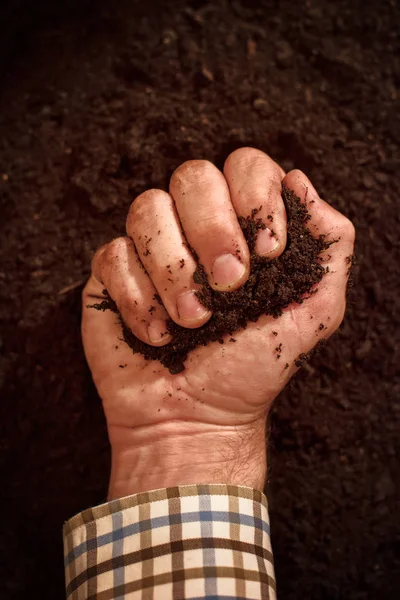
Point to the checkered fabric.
(193, 541)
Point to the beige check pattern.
(194, 541)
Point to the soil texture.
(100, 101)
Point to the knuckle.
(193, 171)
(144, 203)
(248, 158)
(299, 183)
(349, 229)
(245, 156)
(109, 257)
(344, 227)
(254, 165)
(116, 249)
(98, 253)
(97, 260)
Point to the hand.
(206, 424)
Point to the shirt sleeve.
(188, 542)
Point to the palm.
(224, 384)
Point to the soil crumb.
(271, 287)
(305, 357)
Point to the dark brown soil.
(100, 101)
(271, 287)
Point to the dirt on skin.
(272, 285)
(100, 101)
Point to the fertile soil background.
(100, 101)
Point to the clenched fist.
(206, 424)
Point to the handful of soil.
(271, 287)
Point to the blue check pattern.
(195, 541)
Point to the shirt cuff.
(192, 541)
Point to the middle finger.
(210, 223)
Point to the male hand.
(206, 424)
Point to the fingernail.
(157, 331)
(226, 270)
(189, 307)
(266, 242)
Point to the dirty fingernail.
(226, 270)
(266, 242)
(189, 307)
(157, 331)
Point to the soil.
(272, 285)
(100, 101)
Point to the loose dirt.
(100, 101)
(272, 285)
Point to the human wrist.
(172, 454)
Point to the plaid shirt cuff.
(193, 541)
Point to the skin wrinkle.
(166, 427)
(193, 172)
(231, 453)
(197, 419)
(233, 399)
